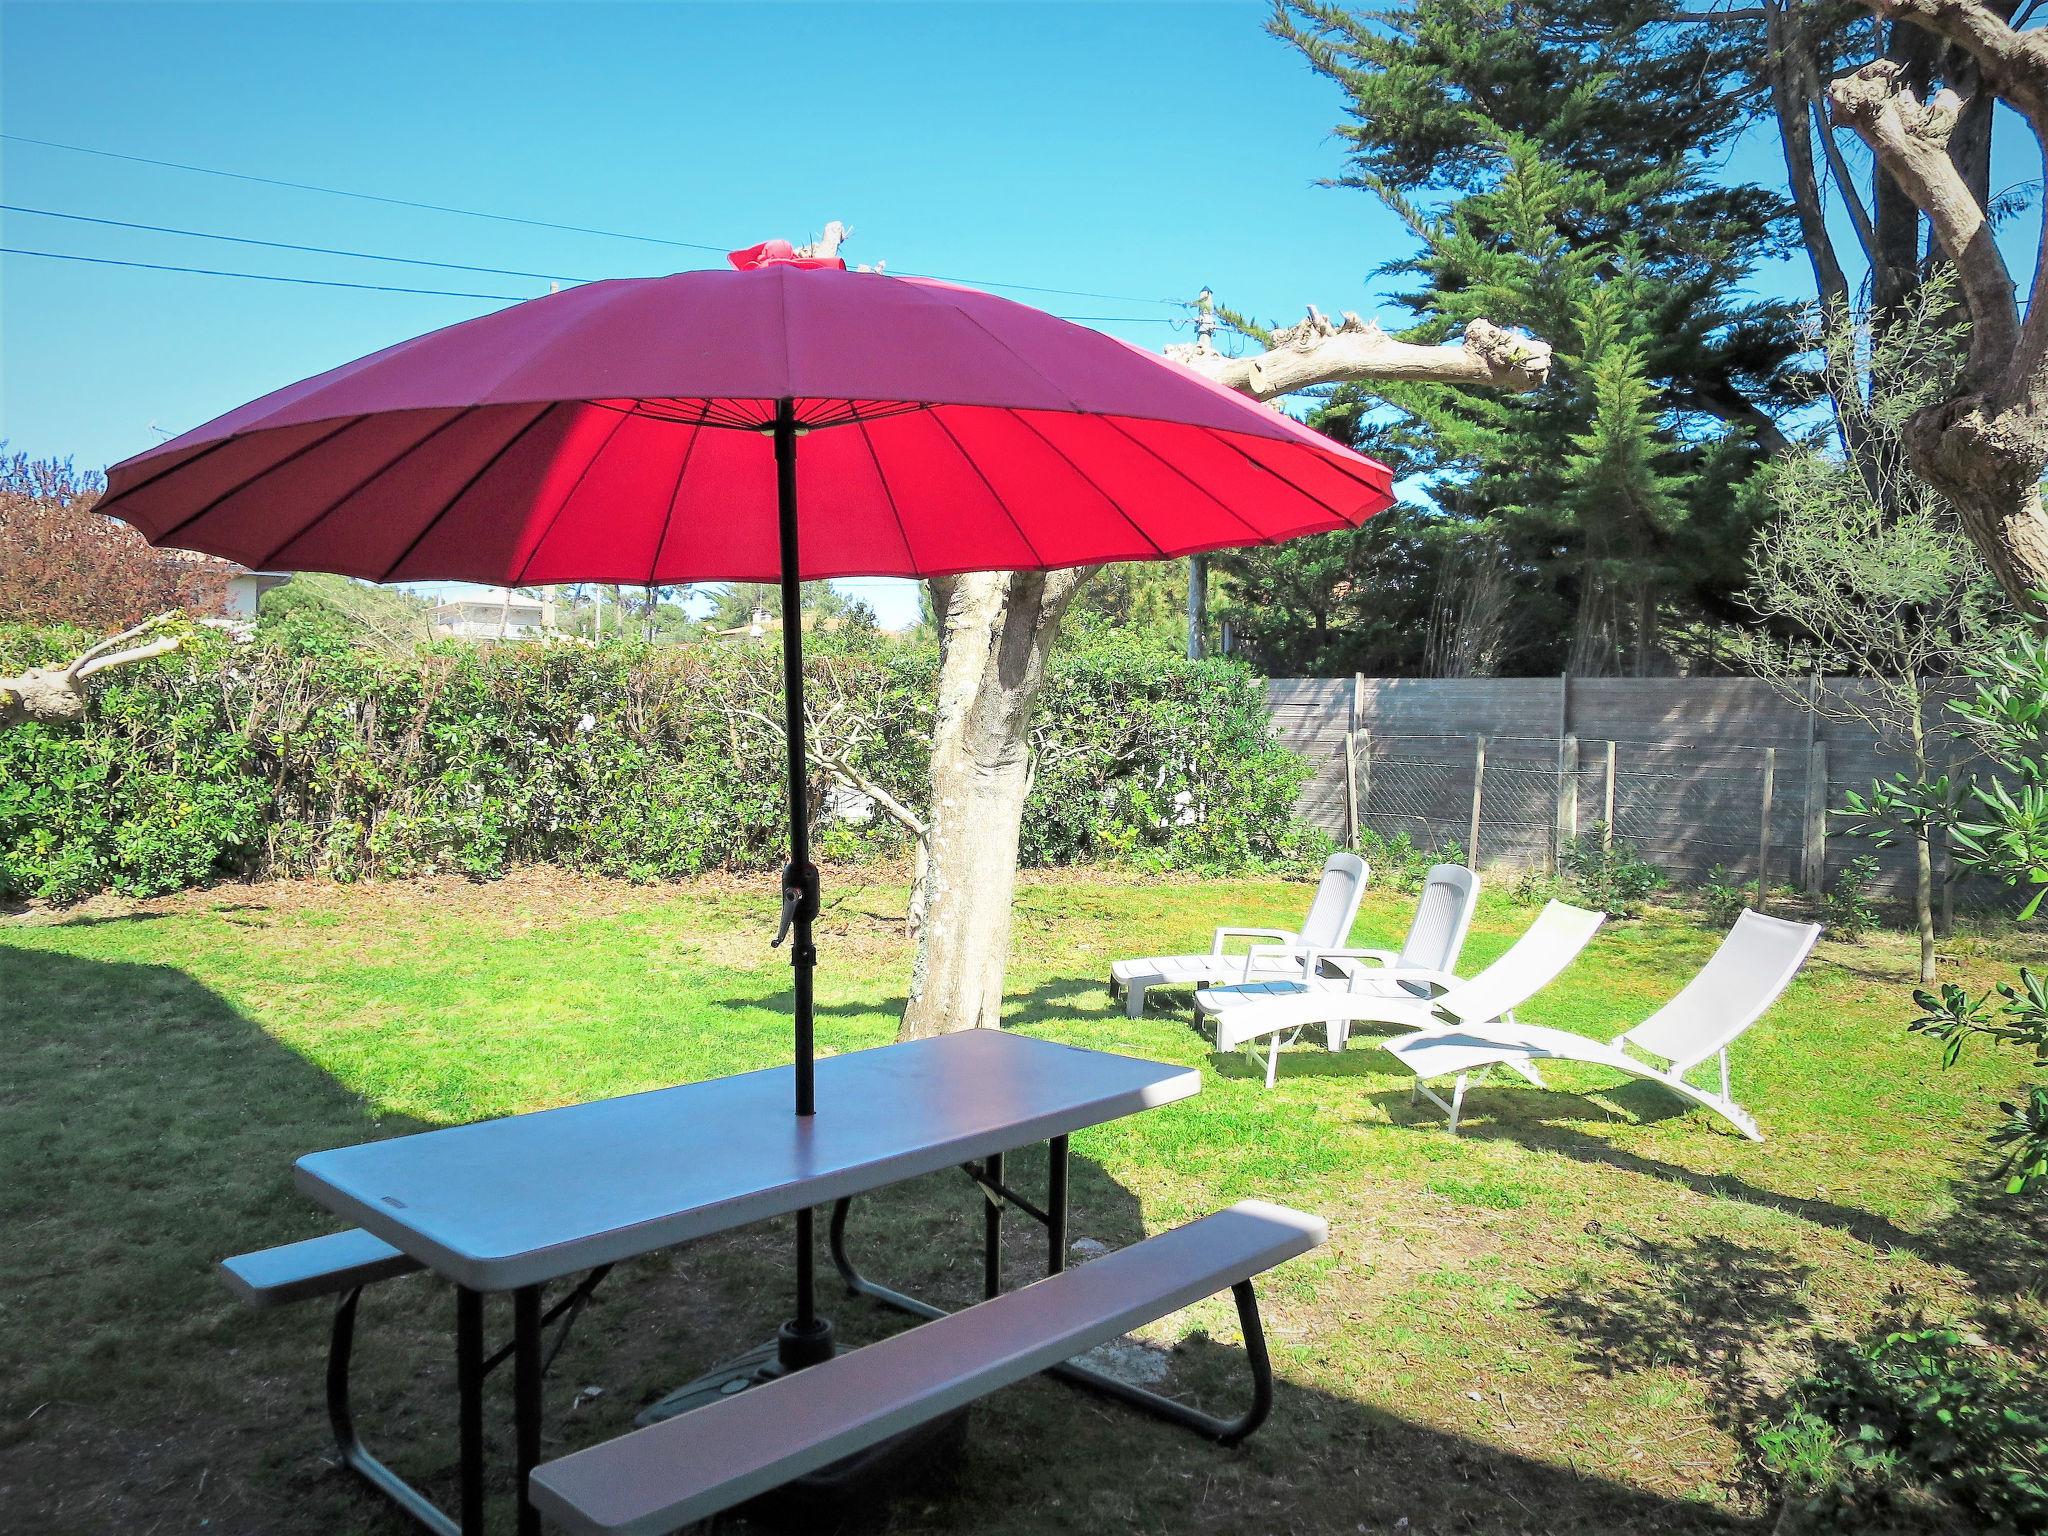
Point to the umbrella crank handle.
(799, 898)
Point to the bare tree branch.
(53, 694)
(1319, 351)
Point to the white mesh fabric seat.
(1750, 971)
(1267, 1010)
(1327, 926)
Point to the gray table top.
(512, 1202)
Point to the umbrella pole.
(807, 1338)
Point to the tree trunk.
(1923, 854)
(1990, 470)
(1923, 904)
(1984, 447)
(995, 631)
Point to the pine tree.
(1554, 162)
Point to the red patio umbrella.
(650, 430)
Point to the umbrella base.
(897, 1463)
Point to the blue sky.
(1134, 150)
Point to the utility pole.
(1198, 565)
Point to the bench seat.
(319, 1266)
(669, 1474)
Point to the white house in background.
(494, 613)
(245, 592)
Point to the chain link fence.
(1518, 800)
(1696, 774)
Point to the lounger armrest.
(1292, 954)
(1280, 934)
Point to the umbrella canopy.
(647, 430)
(590, 436)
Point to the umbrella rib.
(467, 486)
(329, 510)
(568, 496)
(163, 474)
(1201, 490)
(1085, 480)
(974, 320)
(674, 495)
(1341, 467)
(994, 495)
(1224, 439)
(251, 478)
(888, 495)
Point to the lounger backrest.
(1754, 964)
(1442, 916)
(1529, 965)
(1338, 894)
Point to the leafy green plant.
(2020, 1018)
(1397, 861)
(1920, 1406)
(1997, 824)
(1723, 897)
(1610, 876)
(1847, 912)
(647, 763)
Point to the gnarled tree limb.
(50, 695)
(1984, 447)
(1318, 351)
(1910, 139)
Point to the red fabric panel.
(598, 434)
(260, 519)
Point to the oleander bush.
(624, 759)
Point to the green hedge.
(629, 761)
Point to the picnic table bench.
(516, 1204)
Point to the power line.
(367, 197)
(257, 277)
(287, 245)
(440, 293)
(506, 218)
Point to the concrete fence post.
(1763, 835)
(1478, 789)
(1607, 807)
(1351, 790)
(1567, 825)
(1813, 856)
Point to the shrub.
(1398, 862)
(1722, 896)
(1922, 1407)
(1847, 910)
(626, 760)
(1614, 879)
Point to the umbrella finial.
(780, 253)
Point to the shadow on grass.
(1725, 1313)
(1999, 1243)
(149, 1130)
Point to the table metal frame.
(531, 1358)
(1053, 1217)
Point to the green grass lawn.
(1568, 1318)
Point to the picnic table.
(508, 1205)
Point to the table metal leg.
(992, 1229)
(1056, 1205)
(526, 1400)
(1226, 1431)
(341, 1416)
(469, 1390)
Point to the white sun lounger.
(1327, 926)
(1268, 1010)
(1748, 973)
